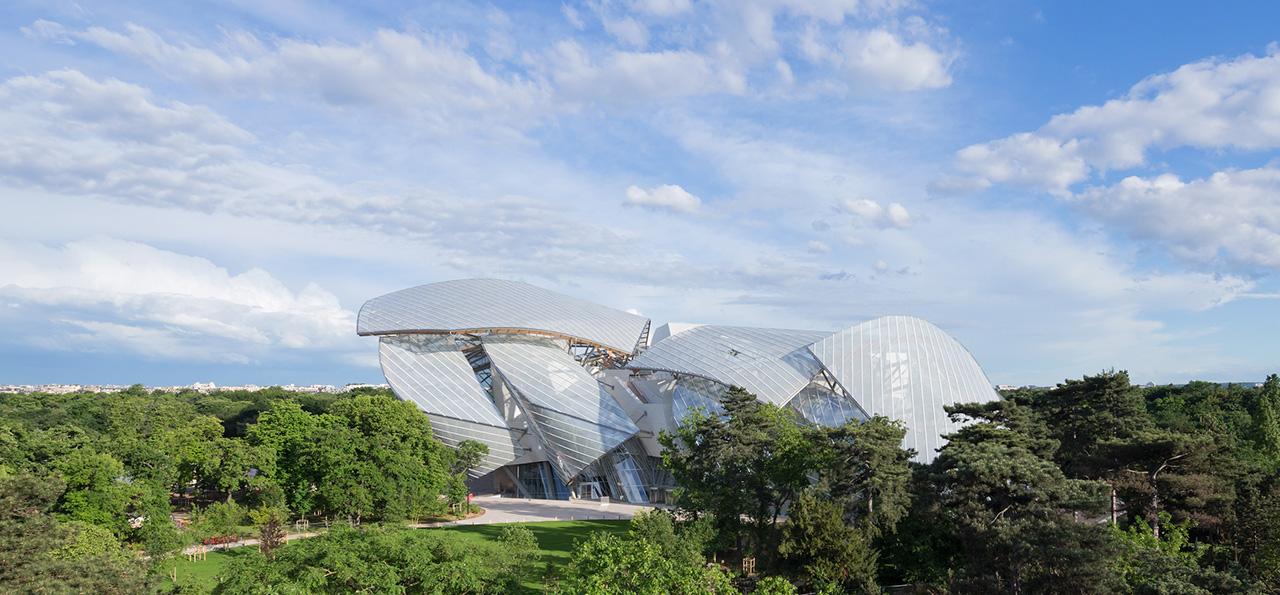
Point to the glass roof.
(773, 364)
(907, 369)
(495, 304)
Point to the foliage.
(381, 560)
(607, 564)
(832, 554)
(775, 585)
(749, 463)
(39, 554)
(219, 518)
(1167, 563)
(866, 471)
(271, 529)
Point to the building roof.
(495, 305)
(773, 364)
(905, 368)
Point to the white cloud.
(667, 197)
(164, 304)
(627, 30)
(872, 213)
(1212, 104)
(881, 59)
(624, 77)
(817, 247)
(662, 8)
(1231, 216)
(433, 78)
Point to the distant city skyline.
(208, 192)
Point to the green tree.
(866, 471)
(606, 564)
(1018, 524)
(96, 492)
(38, 555)
(833, 555)
(158, 534)
(684, 543)
(467, 456)
(1267, 419)
(749, 463)
(774, 585)
(1152, 564)
(1082, 415)
(284, 430)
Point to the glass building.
(570, 396)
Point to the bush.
(381, 560)
(605, 564)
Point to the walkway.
(499, 510)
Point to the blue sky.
(208, 192)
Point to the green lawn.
(555, 540)
(201, 573)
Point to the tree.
(749, 463)
(684, 543)
(467, 456)
(1267, 419)
(833, 555)
(271, 529)
(866, 470)
(39, 555)
(158, 534)
(95, 490)
(1150, 563)
(284, 430)
(1019, 524)
(1158, 468)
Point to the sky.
(198, 191)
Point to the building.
(570, 396)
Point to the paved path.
(500, 510)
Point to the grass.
(555, 544)
(200, 574)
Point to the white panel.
(575, 417)
(471, 304)
(907, 369)
(772, 364)
(434, 374)
(549, 377)
(504, 443)
(431, 373)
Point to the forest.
(1093, 486)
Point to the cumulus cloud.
(882, 59)
(1230, 216)
(107, 292)
(667, 197)
(872, 213)
(1212, 104)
